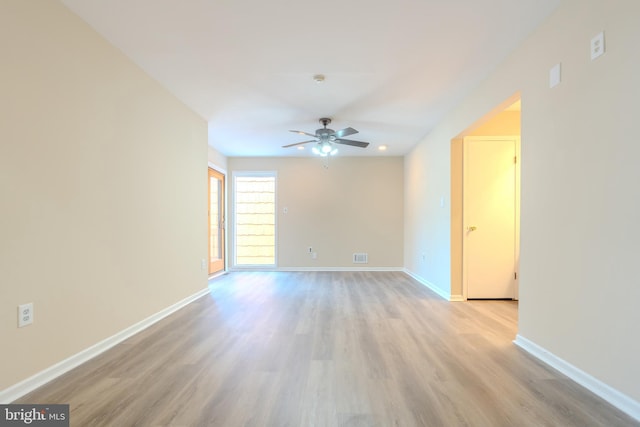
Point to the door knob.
(472, 228)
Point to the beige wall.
(504, 123)
(102, 190)
(579, 233)
(353, 206)
(427, 208)
(457, 182)
(217, 159)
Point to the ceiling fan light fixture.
(324, 149)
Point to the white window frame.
(247, 173)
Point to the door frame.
(224, 246)
(516, 139)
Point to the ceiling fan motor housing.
(324, 133)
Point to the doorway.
(216, 221)
(503, 122)
(490, 212)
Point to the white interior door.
(489, 244)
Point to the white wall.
(353, 206)
(580, 197)
(102, 190)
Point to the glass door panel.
(216, 221)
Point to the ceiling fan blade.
(346, 132)
(352, 142)
(298, 143)
(299, 132)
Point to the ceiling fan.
(325, 138)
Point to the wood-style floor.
(326, 349)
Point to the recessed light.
(319, 78)
(382, 147)
(300, 147)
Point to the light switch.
(597, 45)
(554, 76)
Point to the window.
(254, 219)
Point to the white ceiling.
(393, 68)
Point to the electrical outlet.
(25, 314)
(314, 255)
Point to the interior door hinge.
(515, 159)
(515, 276)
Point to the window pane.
(255, 220)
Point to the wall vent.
(361, 258)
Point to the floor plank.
(326, 349)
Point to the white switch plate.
(203, 263)
(555, 75)
(25, 314)
(597, 45)
(285, 210)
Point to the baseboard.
(41, 378)
(217, 274)
(293, 269)
(444, 294)
(339, 269)
(606, 392)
